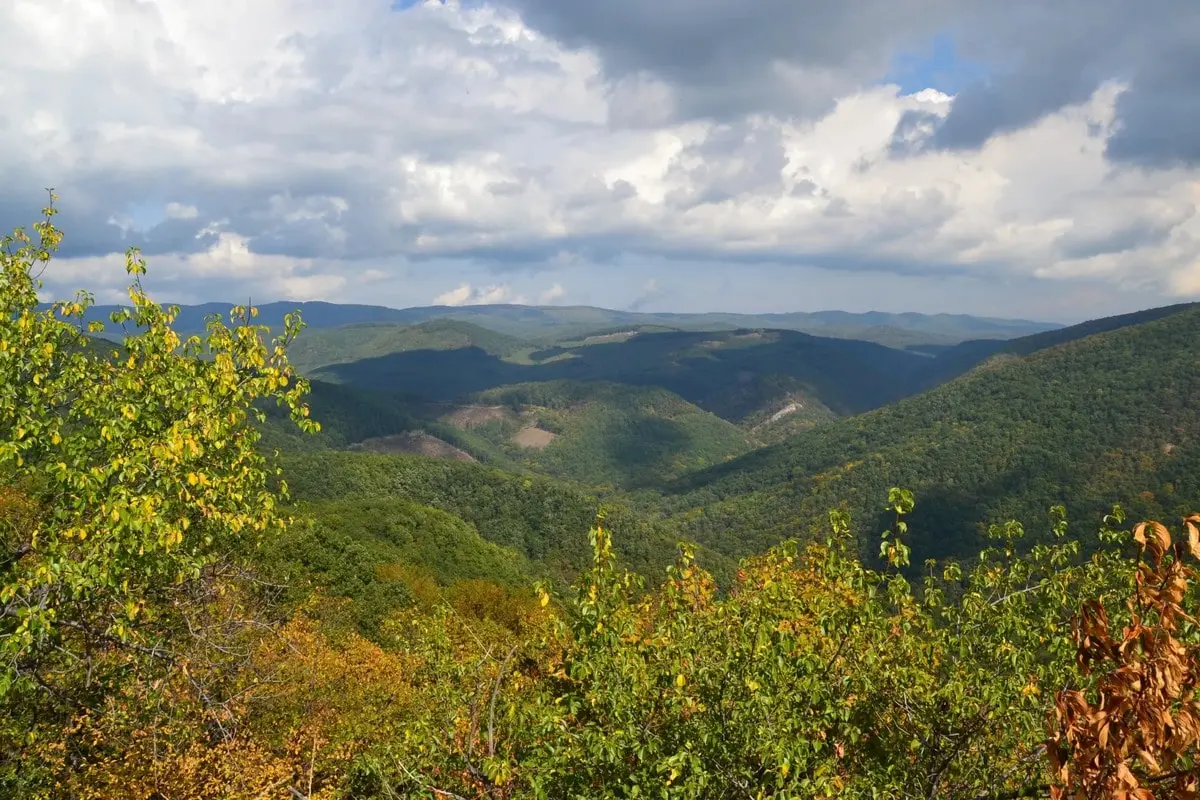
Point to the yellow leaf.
(679, 681)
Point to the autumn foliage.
(1136, 733)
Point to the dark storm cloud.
(1051, 54)
(722, 55)
(1159, 117)
(722, 58)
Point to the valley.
(740, 439)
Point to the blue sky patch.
(939, 66)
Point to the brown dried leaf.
(1193, 536)
(1125, 776)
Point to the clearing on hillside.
(467, 417)
(414, 442)
(533, 437)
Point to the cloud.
(467, 295)
(180, 211)
(459, 296)
(651, 293)
(554, 293)
(486, 150)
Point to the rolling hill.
(544, 521)
(607, 434)
(1113, 416)
(738, 375)
(953, 361)
(599, 434)
(324, 347)
(624, 408)
(372, 550)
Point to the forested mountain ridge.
(1107, 418)
(543, 520)
(324, 347)
(465, 392)
(595, 433)
(962, 357)
(733, 374)
(553, 323)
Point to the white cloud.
(227, 263)
(311, 148)
(467, 295)
(497, 293)
(181, 211)
(554, 293)
(459, 296)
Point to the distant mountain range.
(737, 437)
(629, 408)
(552, 323)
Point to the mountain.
(952, 361)
(622, 408)
(605, 434)
(327, 346)
(737, 375)
(551, 323)
(1112, 416)
(596, 433)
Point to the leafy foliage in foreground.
(811, 677)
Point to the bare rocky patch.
(533, 437)
(413, 443)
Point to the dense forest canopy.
(852, 612)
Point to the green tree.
(129, 480)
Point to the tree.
(129, 481)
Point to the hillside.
(600, 434)
(953, 361)
(737, 375)
(325, 346)
(543, 520)
(375, 551)
(1111, 417)
(606, 433)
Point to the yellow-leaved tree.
(129, 484)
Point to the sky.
(1034, 158)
